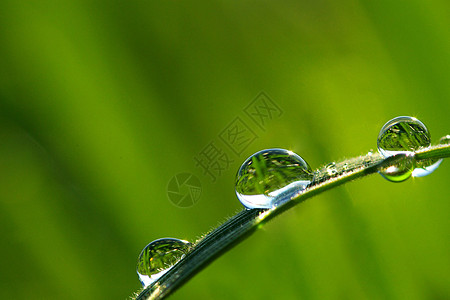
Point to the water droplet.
(426, 167)
(367, 159)
(158, 257)
(331, 168)
(345, 167)
(400, 171)
(402, 135)
(445, 140)
(271, 177)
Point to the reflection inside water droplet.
(400, 171)
(158, 257)
(402, 135)
(271, 177)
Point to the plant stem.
(245, 222)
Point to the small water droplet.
(445, 139)
(158, 257)
(345, 167)
(331, 168)
(403, 135)
(367, 159)
(426, 167)
(271, 177)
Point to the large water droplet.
(403, 135)
(158, 257)
(271, 177)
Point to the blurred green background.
(103, 102)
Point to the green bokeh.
(103, 102)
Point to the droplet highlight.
(271, 177)
(158, 257)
